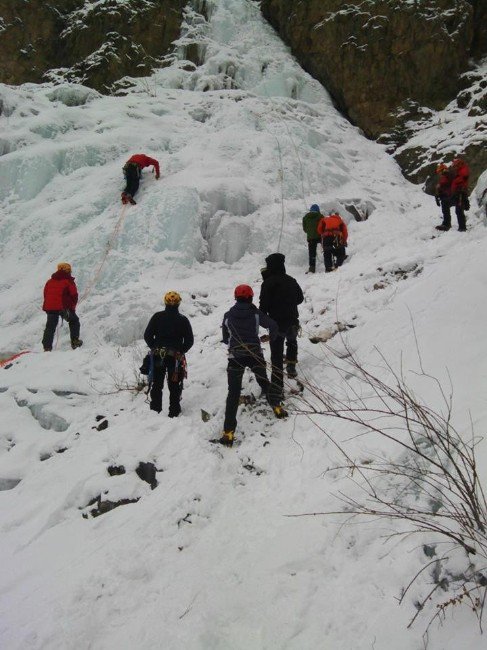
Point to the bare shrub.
(429, 484)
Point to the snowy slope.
(208, 560)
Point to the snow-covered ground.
(208, 560)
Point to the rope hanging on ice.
(110, 243)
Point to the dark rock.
(116, 470)
(103, 425)
(100, 417)
(91, 43)
(375, 55)
(147, 472)
(104, 506)
(8, 483)
(387, 65)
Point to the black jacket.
(280, 294)
(169, 329)
(240, 328)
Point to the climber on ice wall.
(310, 226)
(132, 171)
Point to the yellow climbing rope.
(110, 243)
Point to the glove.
(157, 177)
(265, 338)
(65, 314)
(437, 199)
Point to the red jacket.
(443, 187)
(333, 226)
(144, 161)
(60, 292)
(460, 180)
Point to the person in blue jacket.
(240, 329)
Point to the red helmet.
(243, 291)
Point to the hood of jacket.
(275, 264)
(62, 275)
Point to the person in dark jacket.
(60, 300)
(310, 226)
(132, 172)
(169, 336)
(240, 330)
(459, 191)
(443, 194)
(280, 296)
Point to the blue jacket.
(240, 328)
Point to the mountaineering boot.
(174, 412)
(291, 369)
(130, 199)
(76, 343)
(47, 349)
(227, 438)
(462, 229)
(311, 269)
(280, 412)
(124, 198)
(443, 227)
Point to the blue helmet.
(314, 208)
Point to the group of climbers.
(331, 231)
(280, 296)
(451, 191)
(169, 334)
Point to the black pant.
(289, 335)
(235, 371)
(312, 246)
(458, 202)
(333, 253)
(164, 366)
(445, 202)
(131, 171)
(51, 324)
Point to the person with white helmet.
(169, 336)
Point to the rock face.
(375, 54)
(387, 63)
(91, 43)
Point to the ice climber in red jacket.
(60, 299)
(132, 171)
(452, 190)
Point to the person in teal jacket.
(310, 226)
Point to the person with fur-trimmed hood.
(280, 296)
(310, 226)
(240, 331)
(60, 300)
